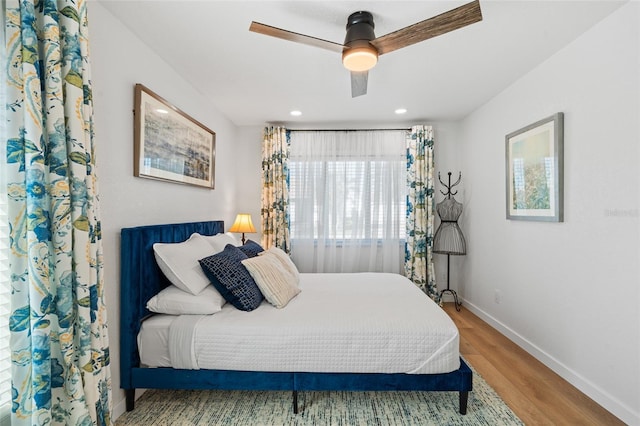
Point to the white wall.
(569, 290)
(561, 284)
(448, 158)
(249, 175)
(119, 60)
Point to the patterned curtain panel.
(58, 322)
(420, 210)
(275, 188)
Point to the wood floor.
(537, 395)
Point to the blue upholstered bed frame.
(141, 279)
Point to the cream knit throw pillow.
(277, 283)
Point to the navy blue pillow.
(251, 248)
(229, 276)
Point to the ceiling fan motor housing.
(359, 27)
(359, 55)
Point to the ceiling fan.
(361, 48)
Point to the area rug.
(274, 408)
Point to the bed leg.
(130, 398)
(464, 397)
(295, 402)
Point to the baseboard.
(120, 407)
(615, 407)
(118, 410)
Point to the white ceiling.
(253, 79)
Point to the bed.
(141, 279)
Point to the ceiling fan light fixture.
(361, 47)
(360, 59)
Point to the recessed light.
(400, 111)
(296, 113)
(162, 111)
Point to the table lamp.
(243, 224)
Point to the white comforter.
(359, 323)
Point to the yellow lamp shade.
(243, 224)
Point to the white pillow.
(220, 241)
(174, 301)
(284, 258)
(179, 262)
(277, 284)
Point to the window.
(347, 198)
(353, 192)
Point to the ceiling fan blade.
(445, 22)
(257, 27)
(359, 83)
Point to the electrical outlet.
(497, 296)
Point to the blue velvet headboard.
(141, 279)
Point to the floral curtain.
(275, 188)
(58, 322)
(420, 210)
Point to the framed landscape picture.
(169, 145)
(534, 166)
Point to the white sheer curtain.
(347, 200)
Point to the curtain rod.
(344, 130)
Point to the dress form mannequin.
(448, 238)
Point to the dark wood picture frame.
(170, 145)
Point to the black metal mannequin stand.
(448, 290)
(449, 239)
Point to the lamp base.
(455, 297)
